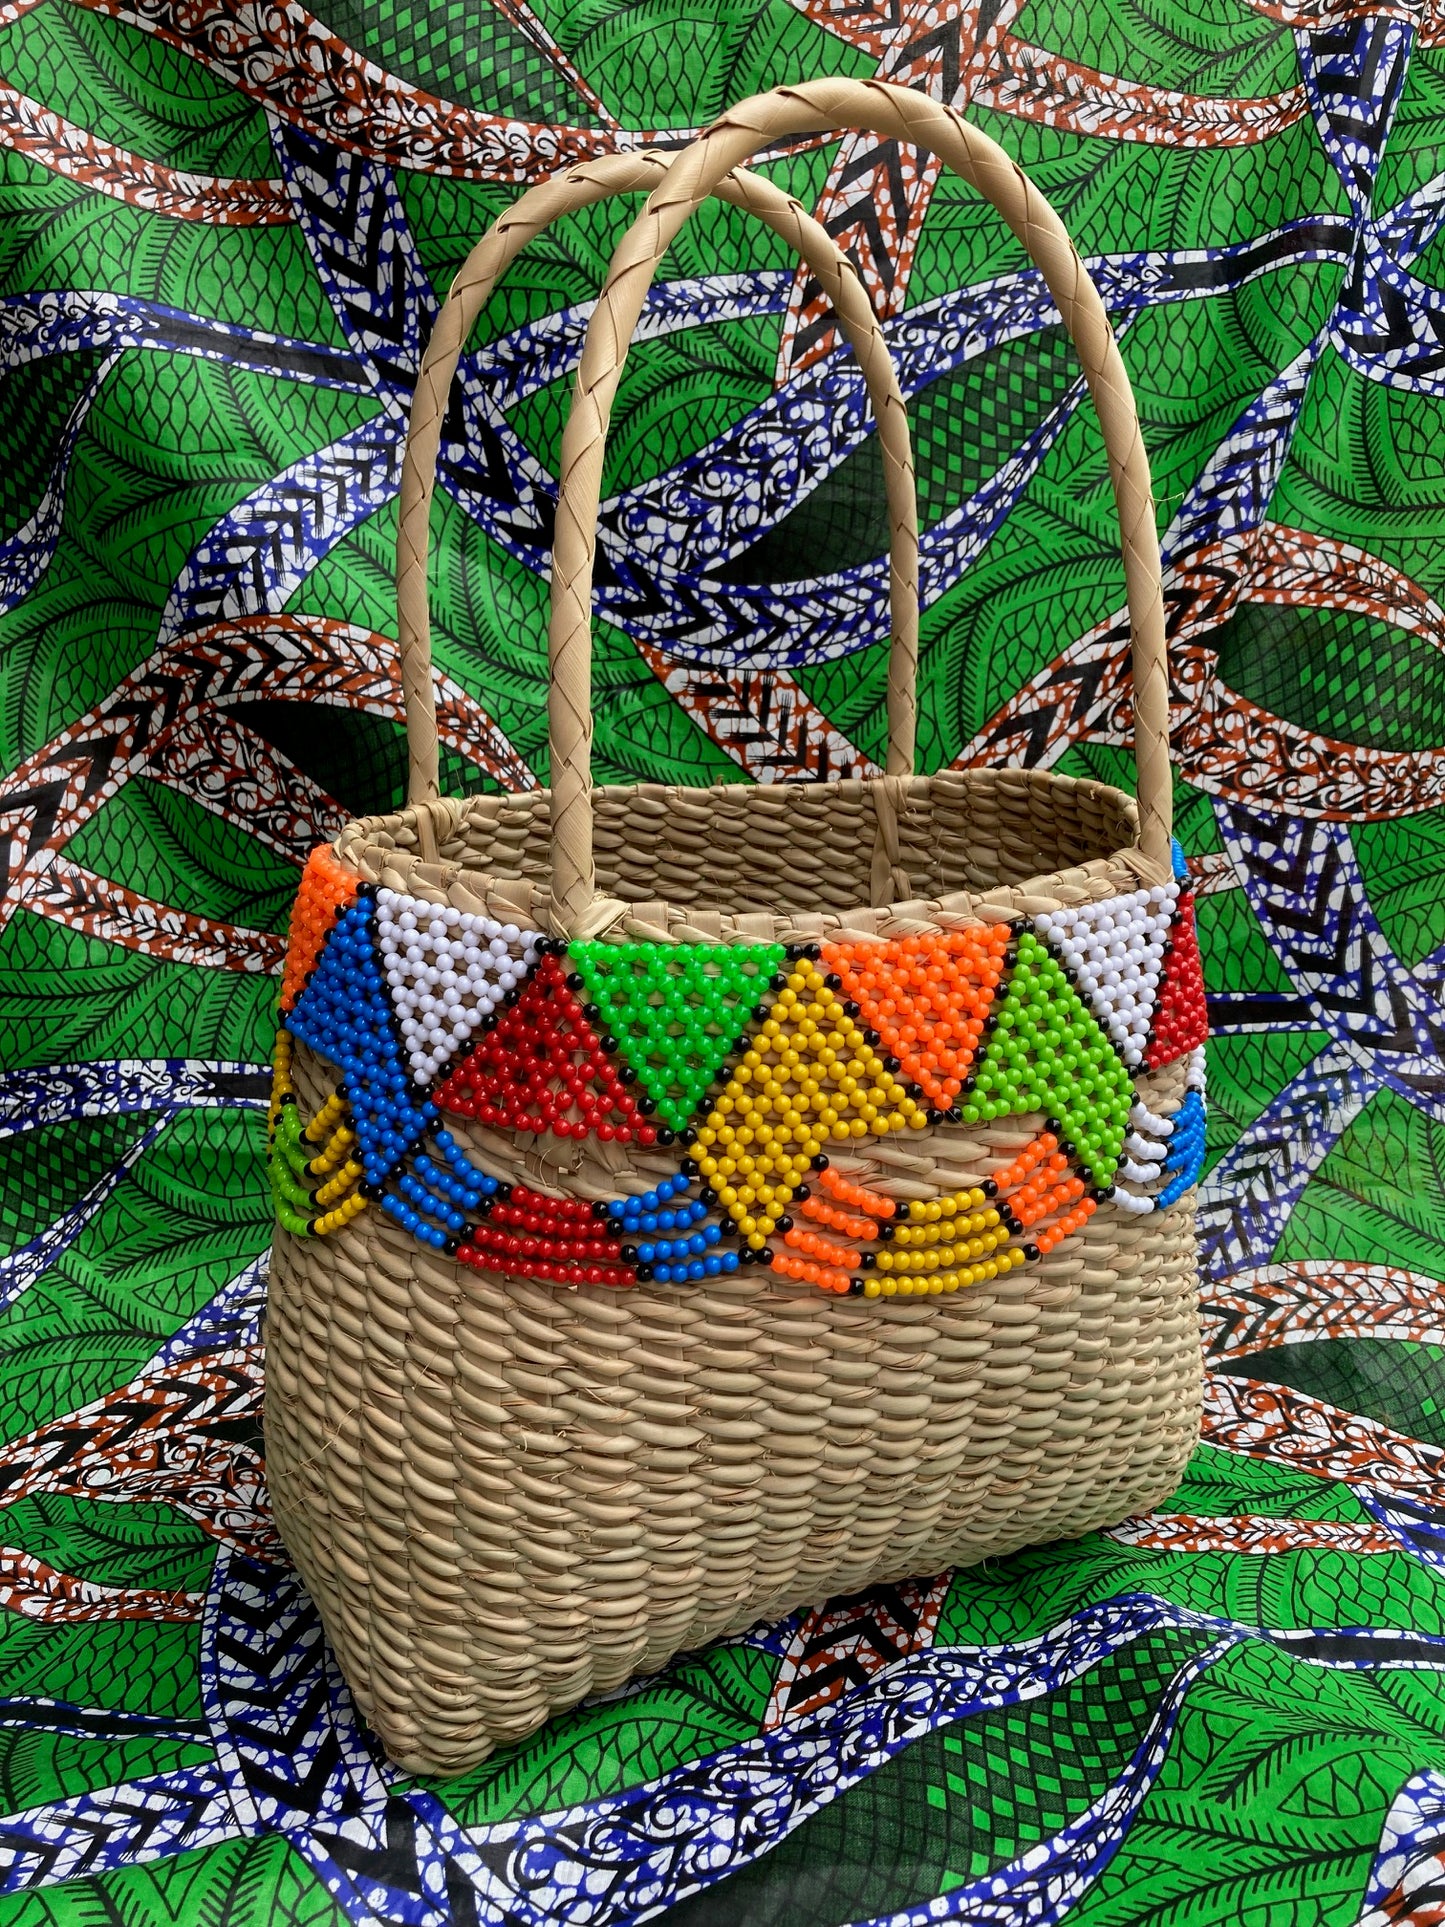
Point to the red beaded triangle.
(541, 1068)
(1181, 1017)
(927, 998)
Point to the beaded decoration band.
(752, 1060)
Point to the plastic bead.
(327, 887)
(313, 1195)
(1186, 1150)
(828, 1277)
(1114, 950)
(341, 1214)
(927, 997)
(675, 1012)
(461, 1166)
(810, 1077)
(1181, 1015)
(1047, 1053)
(283, 1088)
(334, 1150)
(566, 1240)
(970, 1243)
(974, 1199)
(825, 1046)
(849, 1223)
(341, 1186)
(875, 1203)
(344, 1014)
(448, 971)
(1166, 1151)
(541, 1067)
(326, 1120)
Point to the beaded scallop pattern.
(448, 971)
(760, 1059)
(1165, 1154)
(861, 1241)
(662, 1234)
(1115, 952)
(315, 1176)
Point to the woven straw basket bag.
(694, 1203)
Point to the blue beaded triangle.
(344, 1014)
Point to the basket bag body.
(692, 1204)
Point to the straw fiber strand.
(505, 1494)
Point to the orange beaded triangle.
(327, 887)
(927, 998)
(541, 1068)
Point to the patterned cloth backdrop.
(222, 233)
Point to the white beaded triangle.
(1115, 951)
(447, 971)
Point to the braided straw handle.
(479, 274)
(827, 106)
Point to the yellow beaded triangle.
(809, 1078)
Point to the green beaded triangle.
(676, 1011)
(1049, 1053)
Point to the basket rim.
(385, 851)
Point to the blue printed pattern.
(291, 1758)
